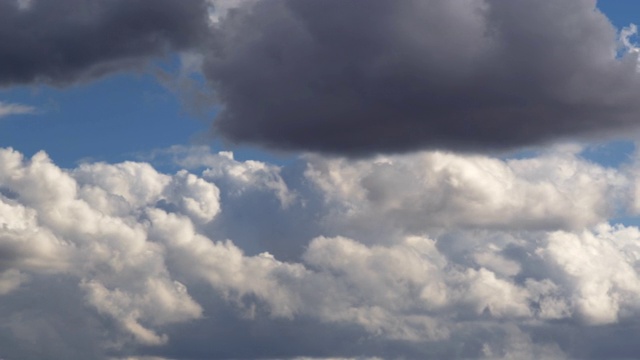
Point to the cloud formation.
(349, 258)
(369, 77)
(67, 41)
(428, 254)
(394, 76)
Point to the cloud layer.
(452, 257)
(392, 76)
(356, 79)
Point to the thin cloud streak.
(9, 109)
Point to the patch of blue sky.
(620, 13)
(107, 120)
(610, 154)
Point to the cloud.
(422, 255)
(422, 191)
(395, 76)
(8, 109)
(458, 257)
(74, 40)
(221, 8)
(360, 79)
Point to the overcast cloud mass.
(393, 235)
(374, 76)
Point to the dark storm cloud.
(366, 76)
(63, 41)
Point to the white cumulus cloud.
(429, 255)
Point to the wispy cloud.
(8, 109)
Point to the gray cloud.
(353, 78)
(61, 42)
(371, 76)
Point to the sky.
(305, 179)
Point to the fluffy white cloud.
(426, 190)
(239, 176)
(430, 255)
(599, 270)
(88, 224)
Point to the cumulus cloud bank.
(365, 77)
(453, 257)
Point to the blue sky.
(153, 239)
(111, 119)
(621, 14)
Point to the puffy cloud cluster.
(420, 192)
(455, 256)
(90, 225)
